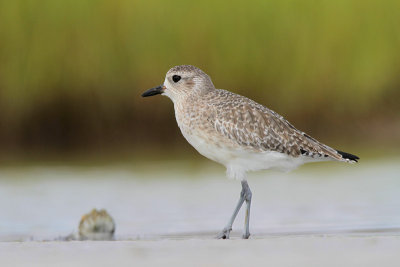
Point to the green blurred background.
(72, 71)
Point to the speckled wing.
(250, 124)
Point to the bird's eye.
(176, 78)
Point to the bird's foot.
(246, 236)
(224, 233)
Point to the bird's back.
(232, 121)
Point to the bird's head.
(182, 81)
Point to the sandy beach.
(310, 250)
(346, 216)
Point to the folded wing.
(250, 124)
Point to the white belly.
(208, 149)
(240, 160)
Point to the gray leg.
(248, 196)
(228, 228)
(245, 195)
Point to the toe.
(224, 234)
(246, 236)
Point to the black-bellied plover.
(237, 132)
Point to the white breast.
(207, 147)
(237, 159)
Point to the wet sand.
(310, 250)
(335, 216)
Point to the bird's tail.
(348, 157)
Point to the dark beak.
(154, 91)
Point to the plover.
(237, 132)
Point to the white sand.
(274, 251)
(338, 215)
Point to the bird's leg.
(243, 197)
(247, 198)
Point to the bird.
(238, 132)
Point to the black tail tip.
(348, 156)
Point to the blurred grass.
(71, 72)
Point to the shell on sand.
(96, 225)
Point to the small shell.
(96, 225)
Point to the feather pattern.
(236, 131)
(250, 124)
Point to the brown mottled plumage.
(242, 121)
(236, 131)
(256, 127)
